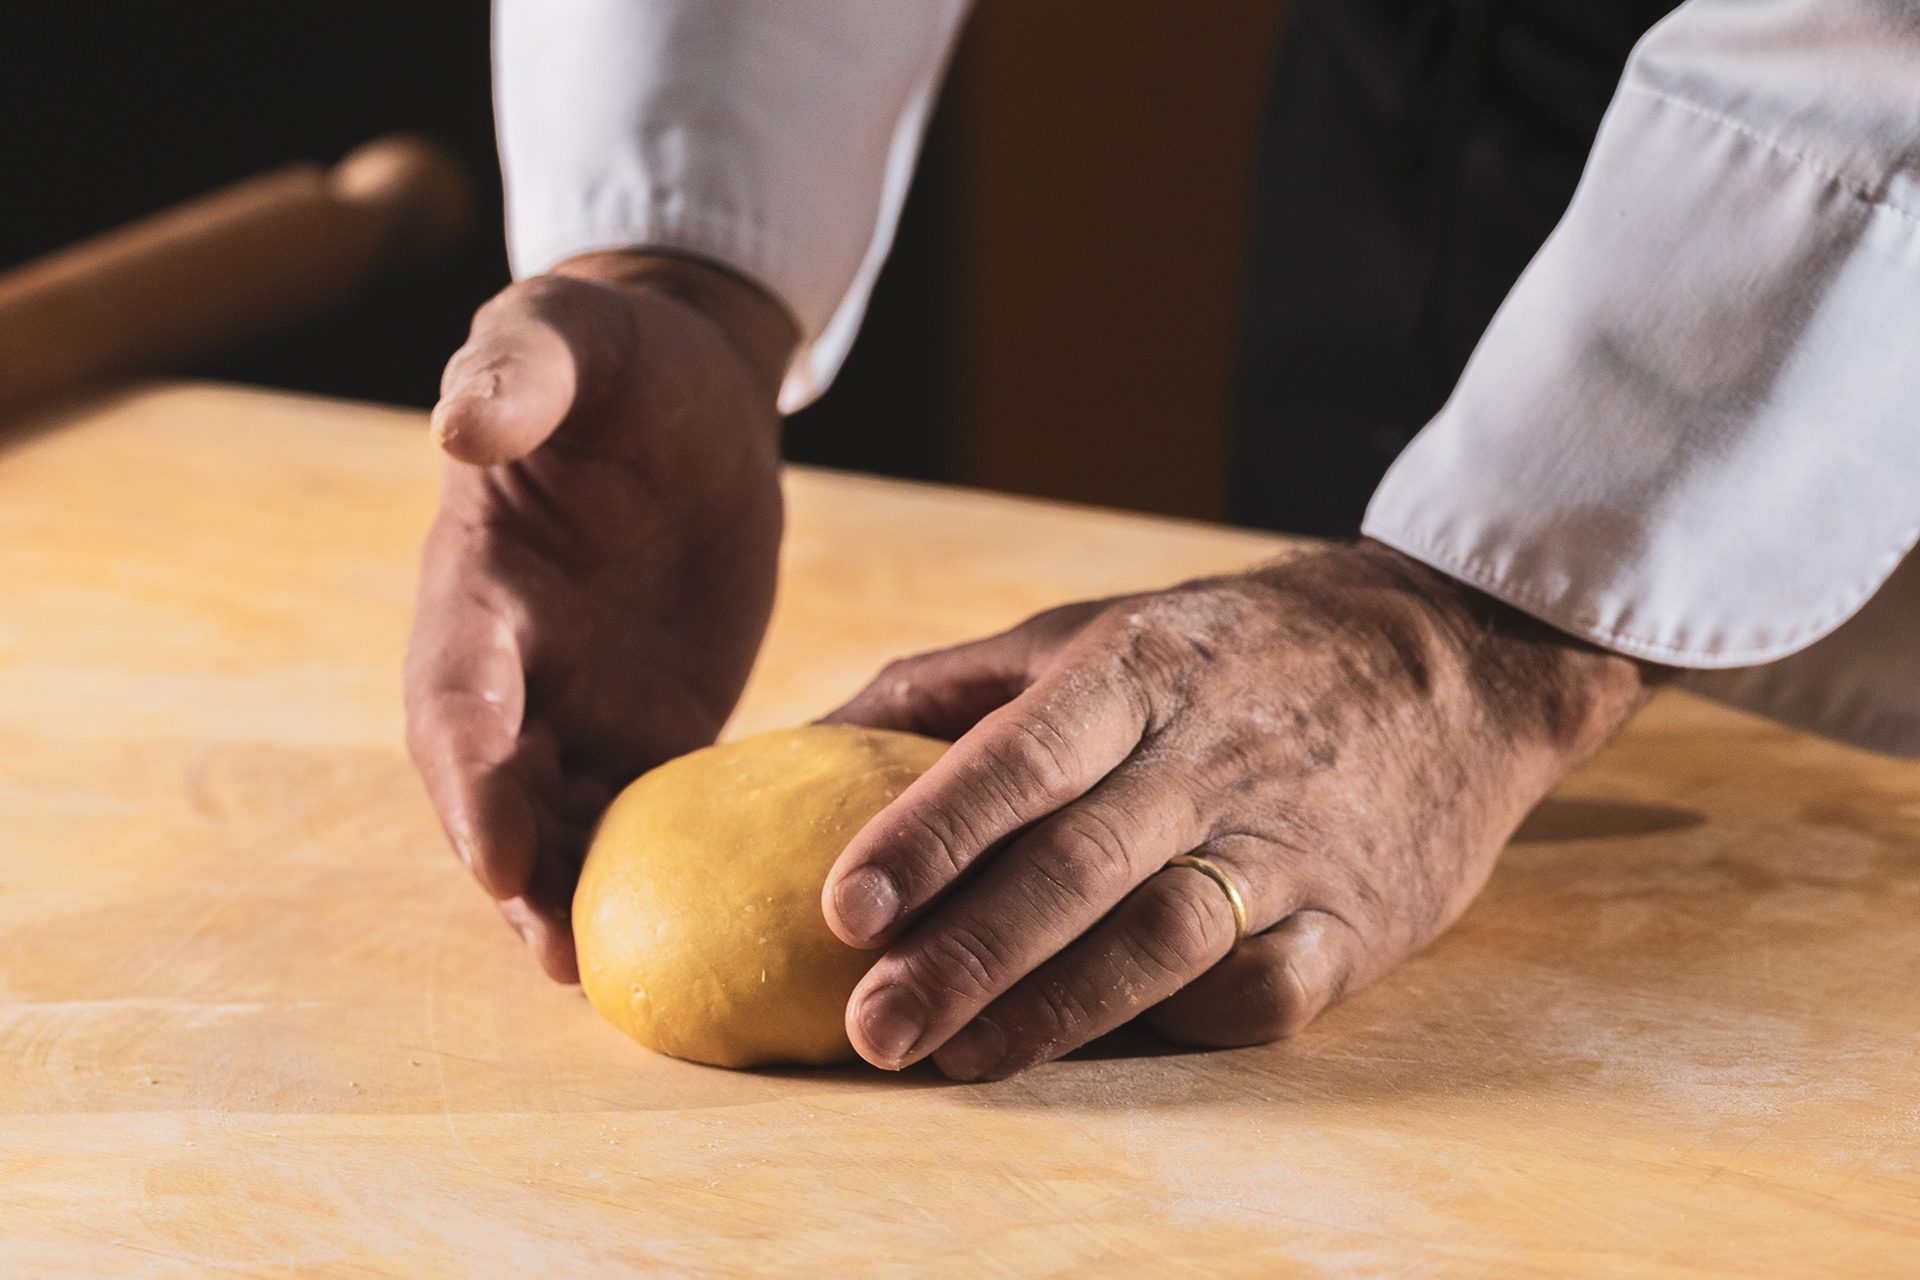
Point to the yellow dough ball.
(698, 914)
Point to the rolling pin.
(204, 276)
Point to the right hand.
(600, 574)
(1350, 737)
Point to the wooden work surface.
(255, 1020)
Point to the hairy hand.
(1350, 736)
(601, 570)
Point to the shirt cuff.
(777, 140)
(1690, 434)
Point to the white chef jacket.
(1691, 434)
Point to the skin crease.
(1351, 736)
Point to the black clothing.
(1417, 154)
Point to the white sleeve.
(1692, 432)
(775, 137)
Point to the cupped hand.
(1351, 737)
(600, 573)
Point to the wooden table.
(254, 1019)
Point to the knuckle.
(1021, 771)
(1068, 1016)
(1085, 857)
(539, 292)
(938, 844)
(1054, 1018)
(1037, 759)
(538, 297)
(896, 676)
(435, 720)
(1165, 642)
(897, 689)
(1281, 1001)
(959, 962)
(1179, 927)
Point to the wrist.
(1524, 692)
(754, 323)
(1556, 697)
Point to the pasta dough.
(698, 916)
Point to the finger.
(542, 913)
(511, 385)
(1167, 933)
(543, 917)
(947, 692)
(1047, 888)
(1044, 749)
(465, 696)
(1271, 987)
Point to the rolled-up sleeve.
(775, 137)
(1692, 433)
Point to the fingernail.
(974, 1052)
(892, 1022)
(867, 903)
(444, 424)
(465, 403)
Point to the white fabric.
(776, 137)
(1692, 434)
(1861, 684)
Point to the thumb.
(945, 693)
(509, 387)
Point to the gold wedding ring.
(1219, 877)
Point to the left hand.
(1351, 737)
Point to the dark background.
(113, 110)
(1091, 297)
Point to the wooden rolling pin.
(204, 276)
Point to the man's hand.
(600, 574)
(1352, 737)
